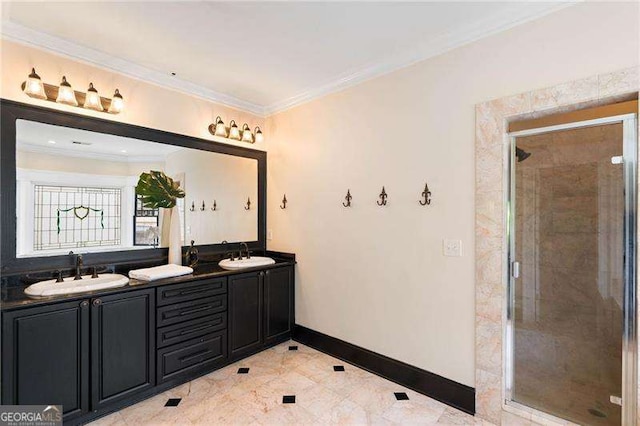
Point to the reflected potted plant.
(157, 190)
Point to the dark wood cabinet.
(278, 304)
(100, 353)
(122, 346)
(45, 357)
(261, 310)
(245, 314)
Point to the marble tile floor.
(283, 385)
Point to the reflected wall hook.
(284, 202)
(426, 195)
(383, 198)
(193, 207)
(203, 208)
(248, 206)
(348, 198)
(215, 206)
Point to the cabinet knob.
(84, 304)
(97, 302)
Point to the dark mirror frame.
(10, 111)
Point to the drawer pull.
(193, 311)
(193, 330)
(194, 356)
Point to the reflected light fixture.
(259, 137)
(234, 132)
(34, 86)
(66, 95)
(117, 103)
(247, 136)
(92, 99)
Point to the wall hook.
(248, 206)
(383, 198)
(348, 198)
(426, 195)
(215, 206)
(193, 207)
(284, 202)
(203, 208)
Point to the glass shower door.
(567, 294)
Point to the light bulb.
(66, 95)
(117, 103)
(92, 99)
(259, 136)
(34, 86)
(246, 134)
(234, 132)
(220, 129)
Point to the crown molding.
(434, 47)
(25, 147)
(437, 46)
(24, 35)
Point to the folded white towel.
(159, 272)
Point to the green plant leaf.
(158, 190)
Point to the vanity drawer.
(189, 291)
(193, 355)
(177, 333)
(180, 312)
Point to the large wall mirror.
(75, 180)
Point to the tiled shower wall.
(491, 243)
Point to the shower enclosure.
(570, 319)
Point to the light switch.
(270, 234)
(452, 248)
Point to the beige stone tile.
(345, 413)
(114, 419)
(488, 396)
(318, 400)
(453, 417)
(410, 412)
(489, 167)
(571, 92)
(618, 82)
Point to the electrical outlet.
(452, 248)
(270, 234)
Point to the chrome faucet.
(247, 249)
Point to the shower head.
(522, 155)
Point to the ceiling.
(262, 57)
(32, 136)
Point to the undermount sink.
(70, 285)
(252, 262)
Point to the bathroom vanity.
(98, 352)
(68, 184)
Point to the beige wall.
(146, 104)
(374, 276)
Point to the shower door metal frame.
(630, 328)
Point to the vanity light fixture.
(34, 87)
(218, 128)
(92, 100)
(66, 94)
(247, 136)
(117, 103)
(259, 137)
(234, 132)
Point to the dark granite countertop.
(14, 297)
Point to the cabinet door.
(278, 304)
(122, 346)
(45, 357)
(245, 313)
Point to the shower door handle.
(515, 269)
